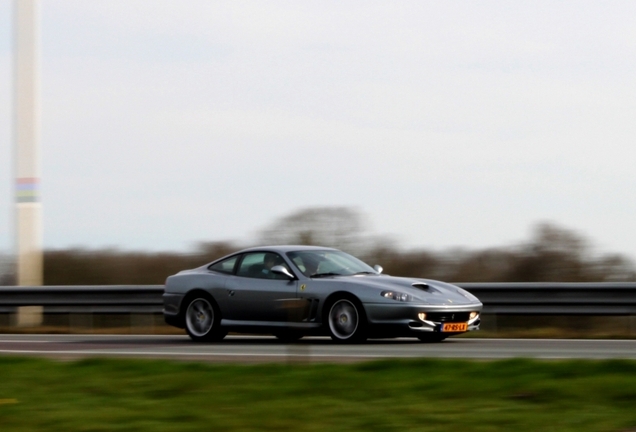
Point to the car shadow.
(234, 340)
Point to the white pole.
(27, 139)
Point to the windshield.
(318, 263)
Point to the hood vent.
(420, 285)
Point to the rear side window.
(225, 266)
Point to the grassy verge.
(422, 395)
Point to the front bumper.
(402, 318)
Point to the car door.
(258, 295)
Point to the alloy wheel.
(343, 319)
(200, 317)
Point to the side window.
(258, 265)
(225, 266)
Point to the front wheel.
(347, 323)
(202, 321)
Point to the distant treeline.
(553, 254)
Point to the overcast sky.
(446, 123)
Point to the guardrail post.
(29, 316)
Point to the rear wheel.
(347, 321)
(202, 320)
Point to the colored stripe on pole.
(27, 190)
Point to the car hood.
(424, 290)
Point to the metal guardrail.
(606, 298)
(97, 299)
(498, 298)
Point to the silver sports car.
(292, 291)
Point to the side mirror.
(279, 269)
(378, 268)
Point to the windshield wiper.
(319, 275)
(364, 272)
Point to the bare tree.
(553, 254)
(338, 227)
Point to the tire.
(288, 336)
(431, 338)
(203, 319)
(346, 321)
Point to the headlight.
(473, 315)
(396, 296)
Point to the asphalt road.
(268, 349)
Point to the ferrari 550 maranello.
(293, 291)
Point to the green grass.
(418, 395)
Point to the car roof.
(280, 249)
(284, 248)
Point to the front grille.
(447, 316)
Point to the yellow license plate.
(454, 327)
